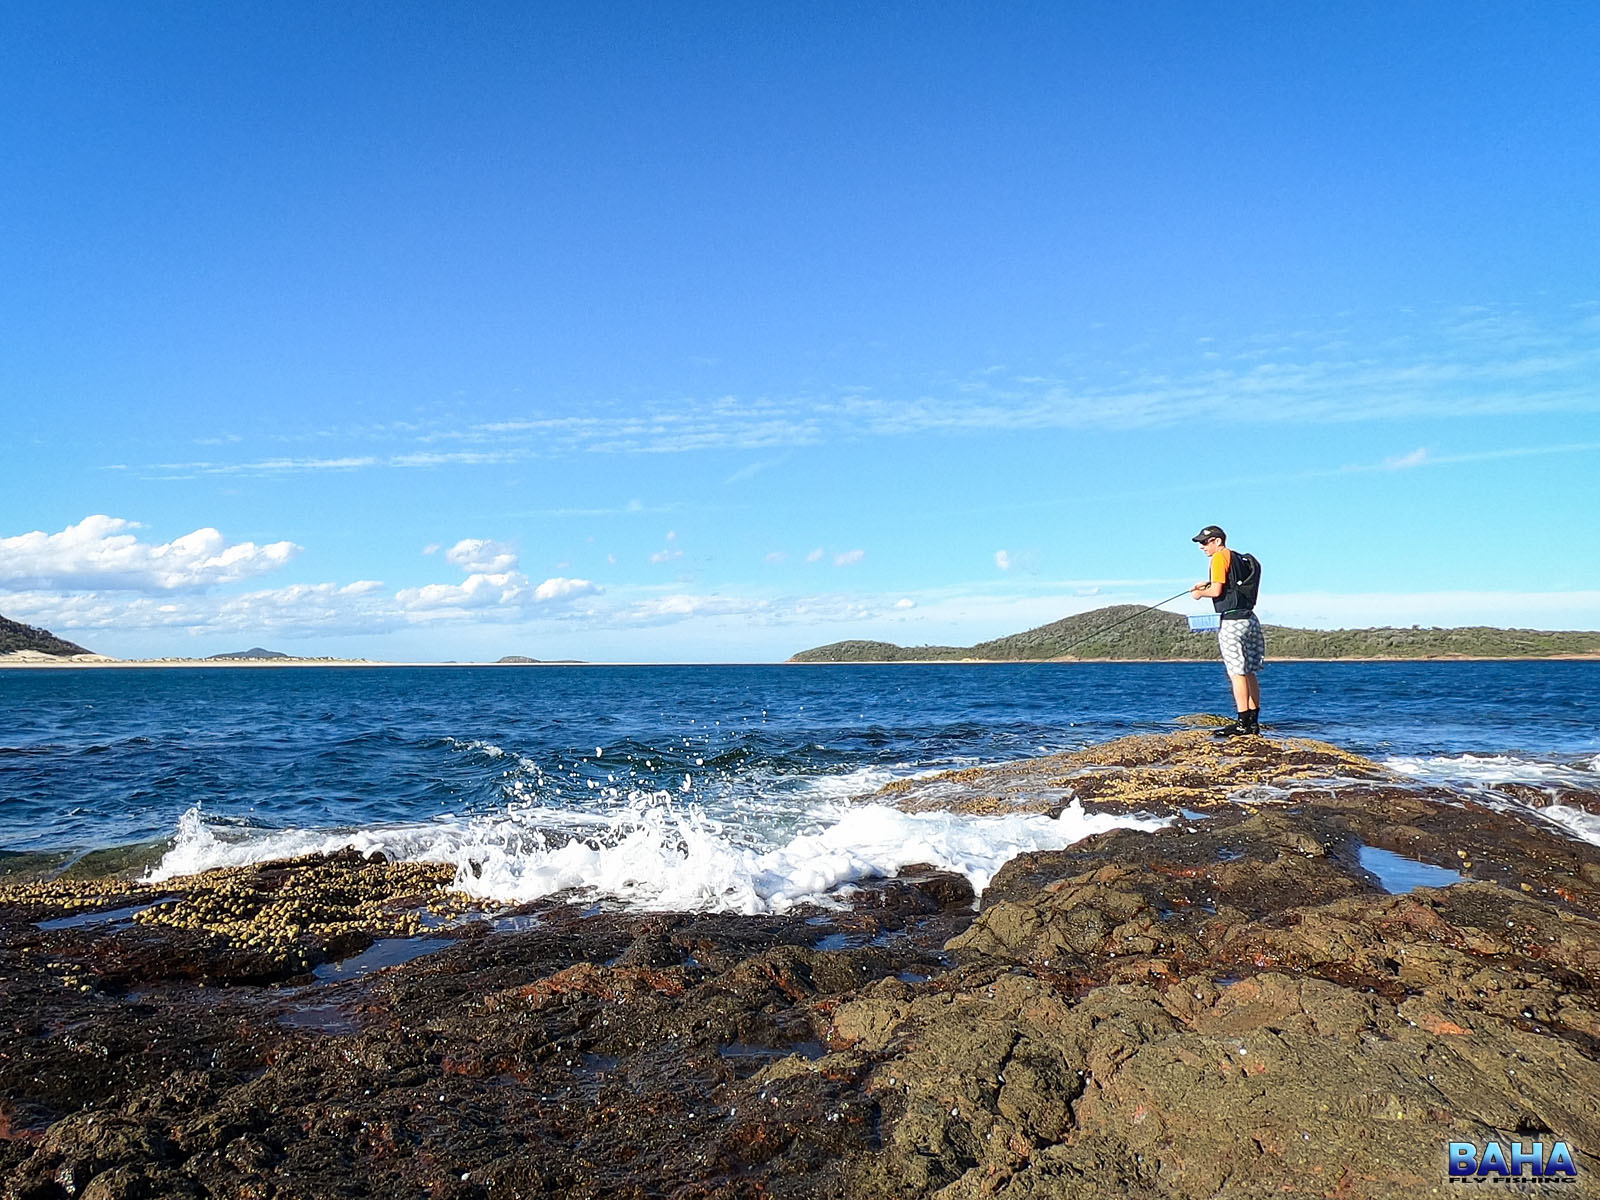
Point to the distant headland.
(1123, 632)
(29, 646)
(17, 638)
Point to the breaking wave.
(663, 852)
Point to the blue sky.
(713, 332)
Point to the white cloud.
(478, 591)
(668, 552)
(460, 457)
(300, 610)
(667, 610)
(99, 552)
(98, 577)
(1415, 459)
(482, 556)
(849, 558)
(275, 466)
(564, 589)
(492, 587)
(1002, 559)
(778, 556)
(747, 472)
(816, 555)
(839, 613)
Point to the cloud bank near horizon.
(97, 576)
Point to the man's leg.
(1230, 643)
(1255, 655)
(1241, 701)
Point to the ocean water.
(716, 787)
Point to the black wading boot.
(1254, 716)
(1238, 727)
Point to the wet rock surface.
(1247, 1001)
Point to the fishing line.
(1101, 632)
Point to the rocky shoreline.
(1244, 1002)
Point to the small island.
(1124, 632)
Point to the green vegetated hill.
(14, 636)
(1123, 631)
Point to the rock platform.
(1247, 1002)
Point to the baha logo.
(1470, 1163)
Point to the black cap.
(1209, 532)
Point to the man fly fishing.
(1232, 588)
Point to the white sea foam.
(666, 856)
(199, 846)
(488, 749)
(1584, 825)
(1478, 775)
(663, 852)
(1495, 768)
(851, 785)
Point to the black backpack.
(1244, 579)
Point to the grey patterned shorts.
(1244, 649)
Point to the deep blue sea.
(709, 786)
